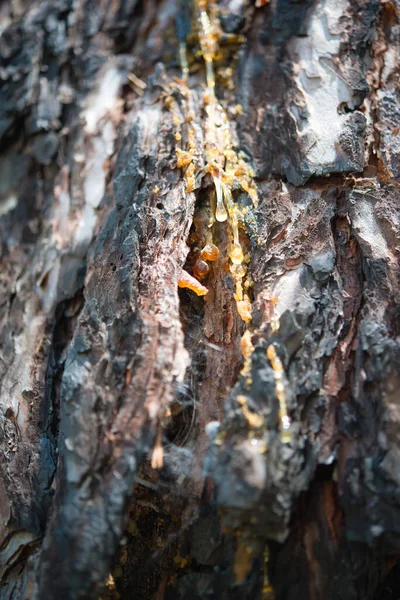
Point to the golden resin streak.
(183, 61)
(267, 591)
(226, 168)
(275, 322)
(277, 366)
(223, 163)
(157, 457)
(247, 349)
(254, 420)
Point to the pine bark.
(102, 357)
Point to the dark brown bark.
(102, 356)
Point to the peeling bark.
(103, 359)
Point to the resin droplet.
(236, 254)
(286, 430)
(189, 282)
(238, 270)
(275, 323)
(210, 252)
(183, 158)
(220, 213)
(246, 345)
(201, 269)
(244, 310)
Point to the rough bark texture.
(96, 343)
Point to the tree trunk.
(157, 444)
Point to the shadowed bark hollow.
(141, 426)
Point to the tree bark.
(104, 360)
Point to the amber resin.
(210, 252)
(201, 269)
(187, 281)
(222, 161)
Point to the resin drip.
(223, 163)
